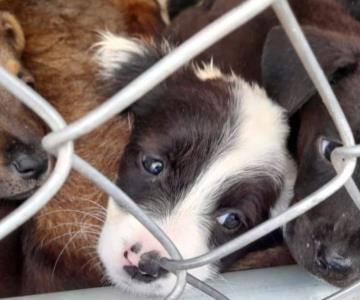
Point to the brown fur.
(10, 257)
(271, 257)
(142, 16)
(59, 244)
(241, 50)
(17, 126)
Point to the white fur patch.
(113, 51)
(164, 12)
(252, 143)
(207, 71)
(283, 203)
(257, 142)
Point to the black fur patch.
(181, 124)
(176, 6)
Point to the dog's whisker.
(95, 203)
(61, 253)
(95, 265)
(78, 224)
(71, 233)
(72, 211)
(94, 247)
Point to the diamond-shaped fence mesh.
(60, 143)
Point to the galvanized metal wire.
(160, 71)
(63, 165)
(60, 143)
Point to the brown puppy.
(59, 244)
(325, 240)
(23, 163)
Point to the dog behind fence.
(60, 141)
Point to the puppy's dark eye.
(327, 147)
(231, 220)
(152, 165)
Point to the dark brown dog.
(59, 244)
(23, 163)
(325, 240)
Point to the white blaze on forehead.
(113, 51)
(256, 141)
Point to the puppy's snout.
(328, 259)
(29, 165)
(148, 269)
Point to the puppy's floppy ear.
(284, 76)
(13, 31)
(121, 60)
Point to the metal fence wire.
(60, 143)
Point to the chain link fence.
(60, 143)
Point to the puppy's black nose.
(149, 264)
(148, 270)
(330, 260)
(29, 165)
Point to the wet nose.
(29, 165)
(330, 260)
(148, 269)
(149, 264)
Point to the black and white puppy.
(326, 240)
(206, 160)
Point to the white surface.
(282, 283)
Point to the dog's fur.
(241, 50)
(353, 6)
(222, 144)
(58, 245)
(325, 240)
(20, 133)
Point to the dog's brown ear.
(12, 30)
(284, 76)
